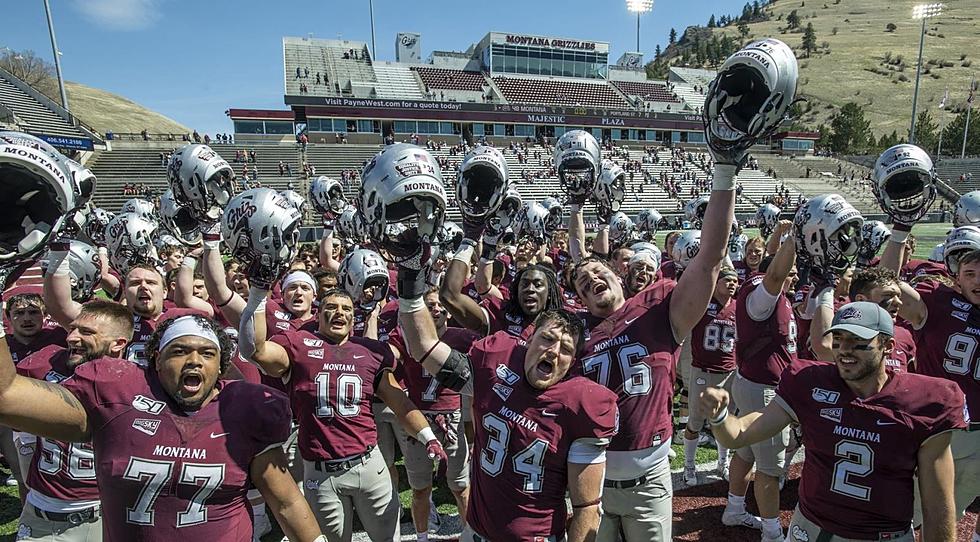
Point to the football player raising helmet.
(364, 275)
(967, 210)
(828, 232)
(202, 180)
(874, 234)
(647, 222)
(84, 270)
(178, 220)
(578, 160)
(95, 225)
(327, 195)
(694, 210)
(767, 216)
(482, 182)
(294, 199)
(261, 229)
(610, 190)
(129, 239)
(685, 248)
(904, 183)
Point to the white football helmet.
(958, 242)
(904, 182)
(129, 239)
(39, 190)
(694, 210)
(767, 218)
(141, 207)
(178, 220)
(938, 253)
(166, 240)
(620, 229)
(450, 236)
(350, 225)
(201, 180)
(644, 248)
(531, 223)
(555, 217)
(967, 210)
(648, 221)
(327, 195)
(403, 183)
(578, 159)
(261, 230)
(505, 216)
(874, 235)
(482, 182)
(610, 189)
(828, 232)
(749, 98)
(84, 269)
(294, 199)
(95, 224)
(84, 181)
(685, 248)
(361, 269)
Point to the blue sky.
(191, 60)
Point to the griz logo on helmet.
(206, 155)
(118, 228)
(243, 212)
(692, 249)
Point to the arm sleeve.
(585, 451)
(273, 427)
(760, 304)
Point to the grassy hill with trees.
(857, 65)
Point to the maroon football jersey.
(742, 270)
(165, 475)
(522, 439)
(668, 270)
(330, 388)
(47, 336)
(500, 319)
(144, 327)
(423, 389)
(633, 353)
(949, 340)
(915, 268)
(61, 470)
(713, 338)
(387, 320)
(250, 372)
(360, 321)
(764, 349)
(278, 319)
(904, 350)
(861, 454)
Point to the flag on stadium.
(973, 91)
(942, 103)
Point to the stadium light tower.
(924, 12)
(57, 54)
(639, 7)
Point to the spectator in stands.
(196, 136)
(306, 72)
(297, 72)
(251, 155)
(207, 139)
(282, 168)
(318, 78)
(146, 136)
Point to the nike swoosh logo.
(358, 357)
(630, 321)
(544, 412)
(879, 422)
(219, 435)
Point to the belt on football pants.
(625, 484)
(975, 426)
(343, 464)
(75, 518)
(480, 538)
(827, 536)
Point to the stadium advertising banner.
(65, 142)
(549, 42)
(498, 113)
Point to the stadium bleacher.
(31, 114)
(561, 92)
(656, 94)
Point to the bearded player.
(866, 436)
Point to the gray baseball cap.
(864, 319)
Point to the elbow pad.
(455, 373)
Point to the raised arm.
(228, 302)
(735, 432)
(326, 248)
(691, 297)
(463, 309)
(576, 233)
(109, 283)
(57, 288)
(39, 407)
(184, 292)
(913, 309)
(483, 279)
(253, 343)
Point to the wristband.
(426, 434)
(720, 419)
(225, 302)
(189, 262)
(58, 263)
(574, 208)
(898, 236)
(724, 177)
(256, 299)
(465, 252)
(410, 304)
(826, 298)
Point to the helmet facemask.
(576, 173)
(908, 194)
(30, 214)
(476, 190)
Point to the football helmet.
(178, 220)
(874, 234)
(327, 195)
(904, 182)
(958, 242)
(767, 218)
(202, 180)
(578, 159)
(827, 232)
(84, 181)
(937, 253)
(694, 210)
(294, 199)
(749, 98)
(620, 229)
(403, 183)
(39, 189)
(685, 248)
(361, 269)
(504, 216)
(141, 207)
(967, 210)
(610, 189)
(95, 225)
(531, 223)
(84, 269)
(261, 230)
(553, 222)
(129, 239)
(648, 220)
(450, 236)
(482, 182)
(350, 225)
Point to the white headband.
(298, 276)
(184, 326)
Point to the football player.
(176, 447)
(866, 436)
